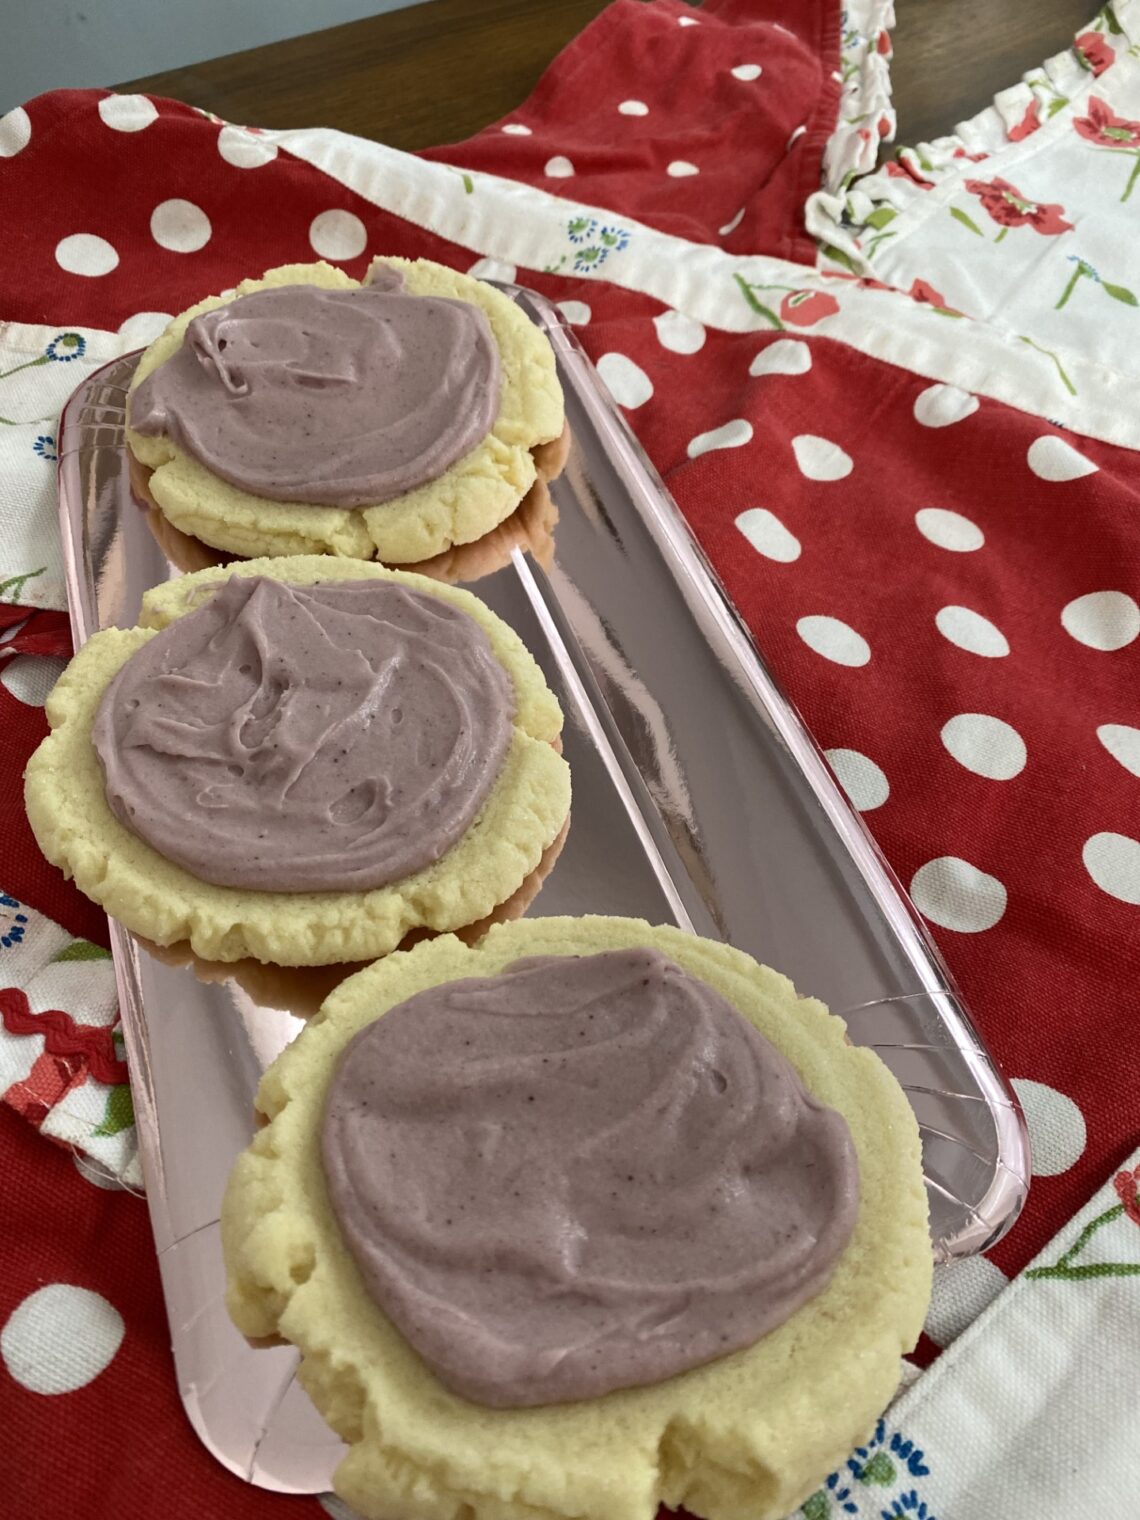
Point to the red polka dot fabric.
(947, 588)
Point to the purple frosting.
(583, 1174)
(306, 738)
(343, 398)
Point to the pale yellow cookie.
(77, 831)
(747, 1437)
(476, 494)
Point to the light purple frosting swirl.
(580, 1175)
(342, 398)
(306, 738)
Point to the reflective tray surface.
(699, 799)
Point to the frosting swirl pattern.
(582, 1174)
(342, 398)
(335, 737)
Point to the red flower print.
(884, 126)
(895, 170)
(1127, 1185)
(1103, 127)
(804, 308)
(926, 295)
(1009, 208)
(883, 43)
(975, 158)
(1028, 123)
(1093, 51)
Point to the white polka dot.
(15, 132)
(971, 631)
(1056, 1127)
(962, 1289)
(819, 458)
(864, 782)
(731, 435)
(985, 745)
(244, 149)
(953, 893)
(494, 269)
(834, 640)
(145, 326)
(30, 677)
(680, 168)
(337, 235)
(96, 1174)
(180, 226)
(1113, 862)
(84, 253)
(678, 333)
(127, 113)
(768, 536)
(1052, 458)
(60, 1338)
(949, 530)
(558, 167)
(786, 356)
(747, 71)
(1122, 743)
(795, 137)
(576, 312)
(734, 223)
(941, 405)
(633, 108)
(1102, 620)
(626, 381)
(516, 129)
(687, 21)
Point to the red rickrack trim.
(63, 1037)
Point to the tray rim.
(685, 551)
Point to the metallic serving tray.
(699, 800)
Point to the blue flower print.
(870, 1464)
(589, 259)
(12, 924)
(910, 1455)
(44, 446)
(580, 228)
(614, 238)
(818, 1506)
(908, 1505)
(1086, 269)
(67, 346)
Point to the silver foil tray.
(699, 799)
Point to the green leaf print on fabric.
(1083, 270)
(1107, 19)
(1127, 1187)
(81, 950)
(756, 305)
(1049, 354)
(12, 588)
(837, 256)
(120, 1113)
(960, 216)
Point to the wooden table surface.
(437, 72)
